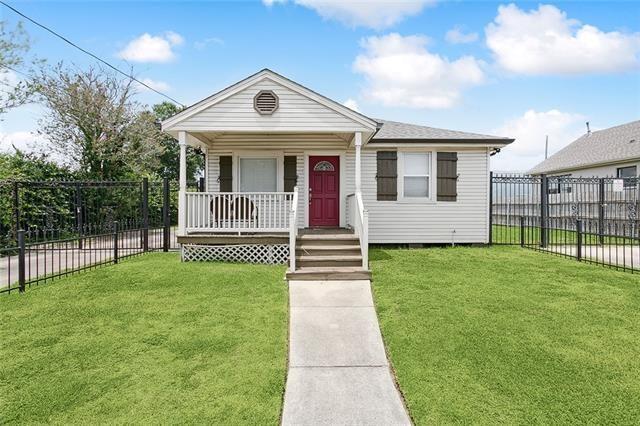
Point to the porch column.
(358, 144)
(182, 195)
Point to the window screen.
(258, 175)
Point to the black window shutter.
(290, 173)
(226, 175)
(447, 176)
(387, 175)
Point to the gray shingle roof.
(396, 131)
(602, 146)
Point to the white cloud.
(376, 14)
(351, 104)
(530, 131)
(174, 38)
(202, 44)
(400, 71)
(22, 140)
(545, 41)
(148, 48)
(457, 36)
(155, 84)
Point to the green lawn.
(151, 340)
(505, 335)
(503, 234)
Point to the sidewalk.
(338, 370)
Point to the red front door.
(324, 191)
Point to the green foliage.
(92, 120)
(151, 340)
(506, 335)
(170, 156)
(35, 204)
(31, 166)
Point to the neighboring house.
(613, 152)
(281, 158)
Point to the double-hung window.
(416, 175)
(258, 174)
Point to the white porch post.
(182, 195)
(358, 144)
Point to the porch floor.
(233, 238)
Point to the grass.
(504, 234)
(151, 340)
(505, 335)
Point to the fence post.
(522, 241)
(578, 239)
(21, 261)
(166, 224)
(601, 210)
(490, 208)
(79, 218)
(16, 208)
(115, 242)
(145, 214)
(544, 209)
(201, 187)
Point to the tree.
(14, 45)
(38, 207)
(93, 121)
(170, 157)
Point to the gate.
(590, 219)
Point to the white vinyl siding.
(296, 112)
(402, 222)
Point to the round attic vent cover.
(265, 102)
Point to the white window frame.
(432, 176)
(279, 156)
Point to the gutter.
(533, 171)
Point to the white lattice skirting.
(271, 254)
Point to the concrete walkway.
(338, 369)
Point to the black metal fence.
(53, 229)
(590, 219)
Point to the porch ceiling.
(270, 139)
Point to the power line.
(14, 70)
(66, 40)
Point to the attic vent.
(265, 102)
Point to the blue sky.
(524, 70)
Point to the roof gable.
(232, 109)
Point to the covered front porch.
(265, 192)
(279, 158)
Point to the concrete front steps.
(328, 254)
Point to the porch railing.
(238, 211)
(359, 221)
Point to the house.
(612, 152)
(291, 171)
